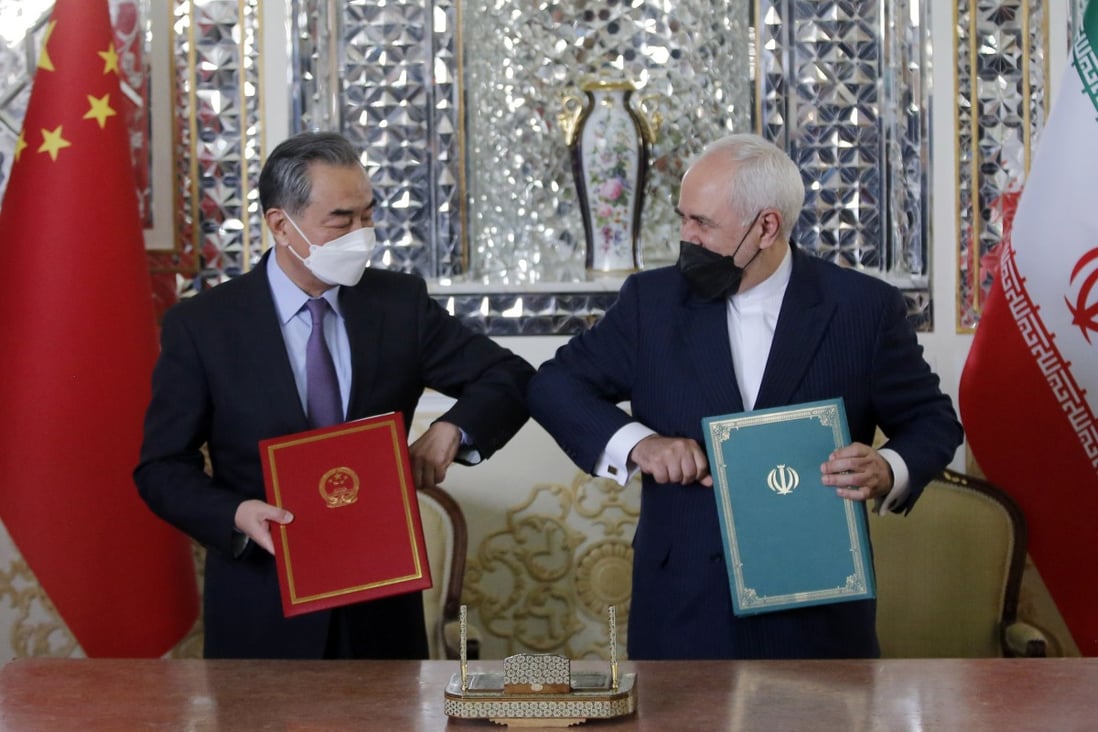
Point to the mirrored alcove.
(456, 105)
(690, 63)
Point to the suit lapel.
(802, 323)
(365, 322)
(708, 353)
(265, 343)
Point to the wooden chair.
(949, 574)
(446, 535)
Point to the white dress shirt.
(752, 318)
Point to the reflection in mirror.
(457, 107)
(443, 94)
(384, 74)
(690, 59)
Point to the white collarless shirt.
(752, 318)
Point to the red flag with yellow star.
(78, 339)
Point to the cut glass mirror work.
(843, 88)
(839, 85)
(216, 89)
(690, 63)
(455, 105)
(1002, 80)
(386, 76)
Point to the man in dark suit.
(744, 321)
(234, 369)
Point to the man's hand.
(672, 460)
(858, 472)
(432, 454)
(253, 517)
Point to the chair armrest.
(1023, 639)
(451, 638)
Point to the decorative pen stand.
(540, 690)
(609, 144)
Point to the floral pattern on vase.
(609, 143)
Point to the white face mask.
(342, 260)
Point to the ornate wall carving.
(544, 581)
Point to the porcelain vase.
(609, 142)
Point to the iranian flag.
(1029, 390)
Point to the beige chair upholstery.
(445, 533)
(949, 574)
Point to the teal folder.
(789, 540)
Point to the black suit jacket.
(223, 380)
(839, 333)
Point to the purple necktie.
(324, 405)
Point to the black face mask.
(713, 276)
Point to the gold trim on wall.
(980, 187)
(205, 196)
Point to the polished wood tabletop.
(985, 694)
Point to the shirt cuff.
(467, 453)
(901, 482)
(614, 461)
(240, 543)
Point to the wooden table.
(681, 696)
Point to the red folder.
(356, 533)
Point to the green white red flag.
(78, 343)
(1029, 390)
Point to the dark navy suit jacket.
(839, 334)
(223, 379)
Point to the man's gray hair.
(761, 176)
(284, 181)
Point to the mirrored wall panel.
(1002, 80)
(844, 87)
(1002, 100)
(526, 65)
(217, 134)
(840, 85)
(461, 109)
(387, 76)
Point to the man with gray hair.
(744, 321)
(235, 368)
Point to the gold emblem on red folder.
(339, 487)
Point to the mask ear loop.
(302, 234)
(742, 240)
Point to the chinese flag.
(1029, 390)
(78, 343)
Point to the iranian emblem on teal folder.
(789, 540)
